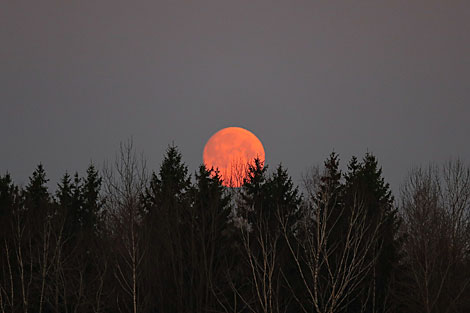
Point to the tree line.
(124, 239)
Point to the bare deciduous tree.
(124, 185)
(23, 250)
(436, 213)
(260, 248)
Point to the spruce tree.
(329, 198)
(366, 186)
(92, 205)
(9, 195)
(37, 205)
(282, 189)
(209, 240)
(284, 207)
(167, 221)
(210, 199)
(253, 191)
(330, 183)
(64, 202)
(69, 203)
(170, 186)
(36, 192)
(9, 204)
(77, 199)
(281, 200)
(271, 207)
(64, 191)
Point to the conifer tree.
(253, 191)
(9, 203)
(210, 199)
(34, 227)
(329, 198)
(65, 202)
(36, 192)
(9, 195)
(366, 185)
(168, 217)
(91, 209)
(75, 240)
(271, 206)
(282, 190)
(172, 183)
(64, 191)
(284, 201)
(209, 241)
(330, 181)
(76, 198)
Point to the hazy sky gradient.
(307, 77)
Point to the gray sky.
(307, 77)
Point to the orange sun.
(230, 150)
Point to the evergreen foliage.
(36, 192)
(9, 195)
(365, 184)
(92, 205)
(170, 186)
(177, 244)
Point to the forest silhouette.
(128, 239)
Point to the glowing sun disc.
(230, 150)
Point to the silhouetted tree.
(436, 213)
(167, 205)
(208, 250)
(254, 193)
(36, 192)
(69, 206)
(365, 184)
(172, 244)
(334, 245)
(92, 204)
(10, 201)
(268, 202)
(125, 182)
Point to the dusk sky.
(306, 77)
